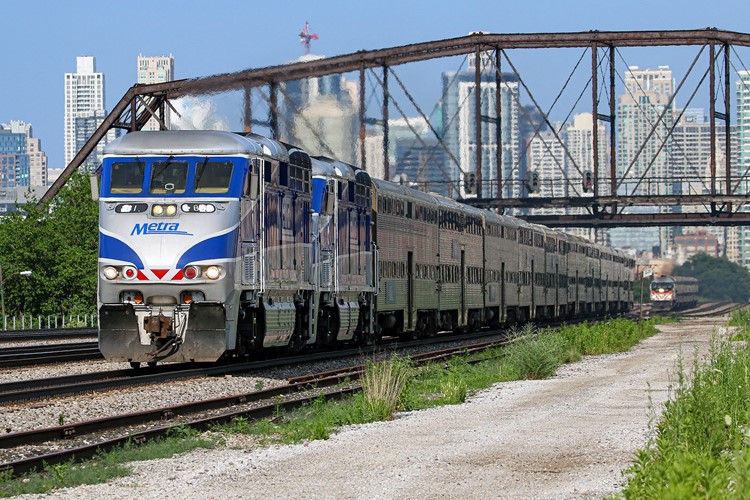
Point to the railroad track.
(65, 333)
(87, 438)
(11, 357)
(253, 405)
(119, 379)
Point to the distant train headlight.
(157, 210)
(171, 210)
(191, 272)
(110, 272)
(213, 272)
(190, 296)
(129, 272)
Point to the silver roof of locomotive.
(184, 142)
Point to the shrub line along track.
(270, 399)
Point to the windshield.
(213, 176)
(168, 177)
(127, 177)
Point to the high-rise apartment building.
(645, 103)
(743, 159)
(547, 159)
(156, 69)
(84, 97)
(647, 98)
(459, 131)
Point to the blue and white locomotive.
(217, 244)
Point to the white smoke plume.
(196, 114)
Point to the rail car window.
(213, 176)
(168, 177)
(299, 178)
(127, 177)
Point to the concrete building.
(458, 127)
(84, 97)
(687, 245)
(156, 69)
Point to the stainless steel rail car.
(215, 244)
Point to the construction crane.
(305, 37)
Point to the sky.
(42, 39)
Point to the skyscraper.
(156, 69)
(743, 164)
(14, 162)
(647, 97)
(84, 97)
(459, 129)
(37, 159)
(319, 115)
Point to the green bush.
(701, 448)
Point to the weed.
(102, 468)
(383, 387)
(701, 446)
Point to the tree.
(719, 279)
(58, 244)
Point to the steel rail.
(64, 333)
(12, 357)
(117, 379)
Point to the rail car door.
(501, 316)
(410, 290)
(556, 283)
(462, 312)
(532, 309)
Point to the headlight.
(129, 272)
(110, 272)
(157, 210)
(213, 272)
(171, 210)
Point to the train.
(670, 293)
(216, 244)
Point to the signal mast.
(305, 37)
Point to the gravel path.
(567, 437)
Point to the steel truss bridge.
(719, 203)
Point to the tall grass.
(383, 386)
(701, 448)
(741, 320)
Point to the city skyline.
(208, 55)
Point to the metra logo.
(159, 228)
